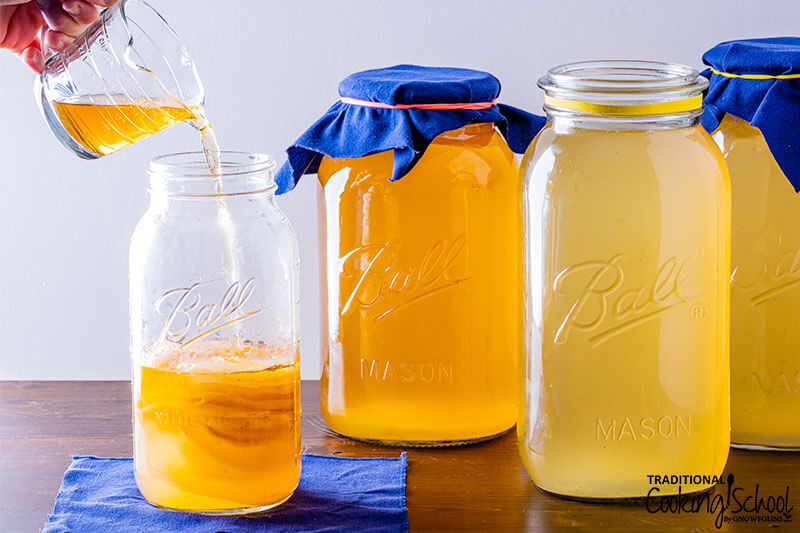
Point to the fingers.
(55, 41)
(82, 12)
(22, 25)
(69, 17)
(32, 56)
(64, 19)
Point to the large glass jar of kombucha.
(421, 246)
(214, 338)
(765, 300)
(421, 239)
(752, 111)
(626, 217)
(423, 292)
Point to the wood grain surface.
(482, 487)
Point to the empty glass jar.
(214, 338)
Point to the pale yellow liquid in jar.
(217, 427)
(765, 292)
(423, 293)
(626, 370)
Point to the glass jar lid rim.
(623, 88)
(622, 76)
(192, 165)
(187, 175)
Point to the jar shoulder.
(681, 155)
(738, 139)
(462, 151)
(262, 230)
(732, 129)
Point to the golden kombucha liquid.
(217, 427)
(626, 373)
(765, 292)
(423, 292)
(105, 128)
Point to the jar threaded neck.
(187, 174)
(623, 90)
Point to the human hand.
(59, 21)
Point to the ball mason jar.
(626, 219)
(765, 302)
(423, 292)
(214, 338)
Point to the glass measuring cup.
(126, 77)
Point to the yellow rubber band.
(660, 108)
(756, 76)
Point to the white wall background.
(270, 68)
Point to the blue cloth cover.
(351, 130)
(335, 494)
(771, 105)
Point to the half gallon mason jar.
(751, 89)
(214, 338)
(422, 246)
(626, 215)
(765, 305)
(423, 292)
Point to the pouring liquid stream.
(212, 155)
(103, 125)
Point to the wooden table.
(481, 487)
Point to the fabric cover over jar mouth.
(758, 80)
(623, 88)
(403, 108)
(188, 174)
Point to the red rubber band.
(440, 107)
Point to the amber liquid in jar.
(423, 293)
(765, 292)
(217, 427)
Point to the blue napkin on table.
(335, 494)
